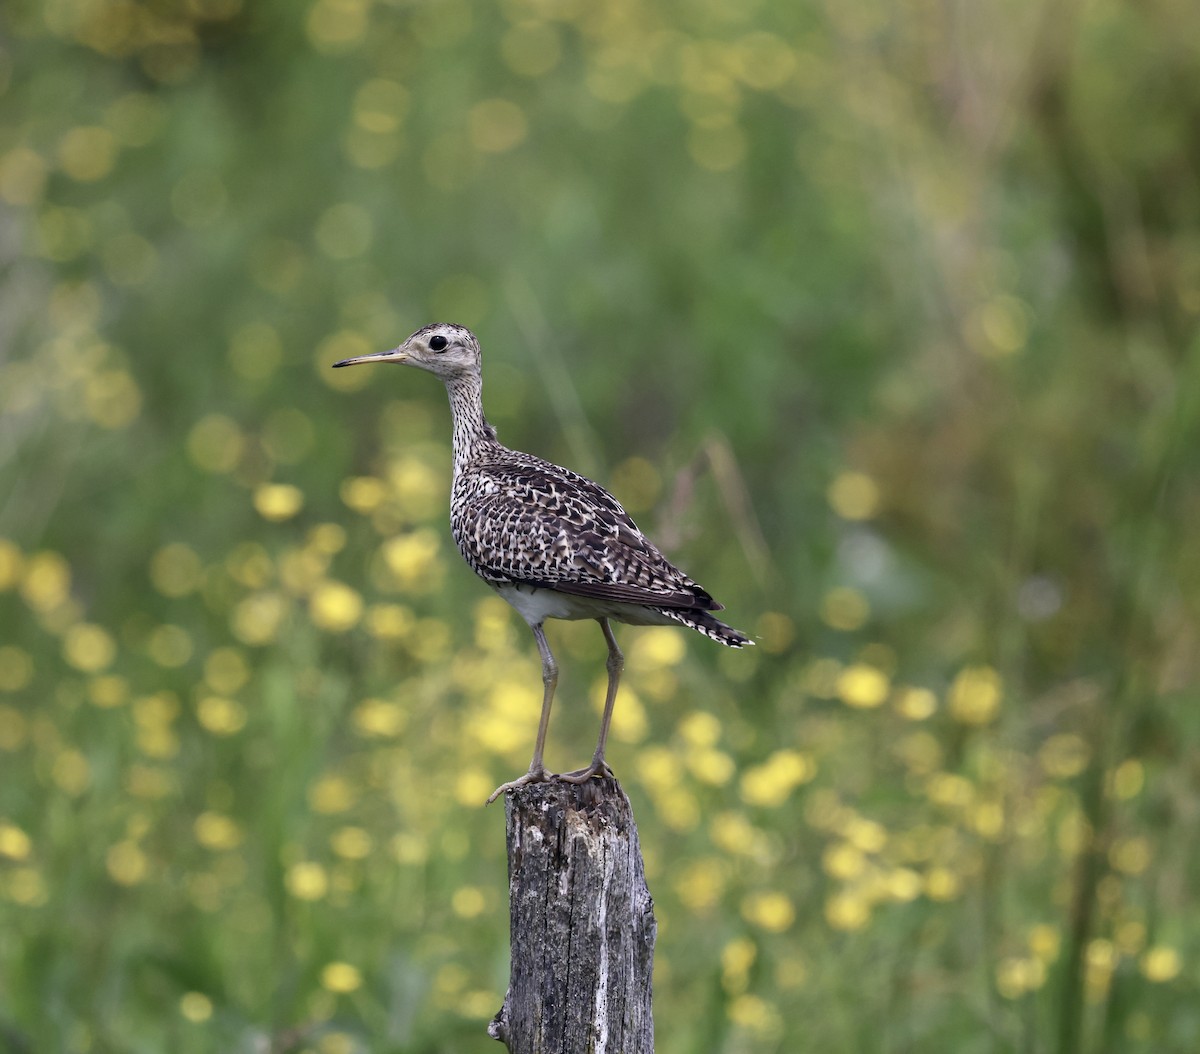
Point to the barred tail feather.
(703, 622)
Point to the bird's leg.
(615, 664)
(537, 770)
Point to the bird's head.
(443, 348)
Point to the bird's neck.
(471, 430)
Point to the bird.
(551, 542)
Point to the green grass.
(880, 319)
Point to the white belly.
(536, 605)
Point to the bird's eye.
(438, 343)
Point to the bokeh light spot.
(341, 978)
(89, 647)
(496, 126)
(975, 695)
(88, 153)
(278, 501)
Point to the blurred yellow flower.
(531, 49)
(334, 606)
(169, 646)
(363, 494)
(657, 647)
(336, 26)
(27, 887)
(902, 884)
(845, 608)
(1161, 963)
(775, 631)
(149, 783)
(341, 978)
(71, 772)
(195, 1007)
(156, 741)
(215, 443)
(176, 570)
(764, 61)
(736, 835)
(771, 911)
(351, 843)
(89, 647)
(1003, 322)
(389, 621)
(950, 789)
(225, 670)
(854, 496)
(87, 153)
(863, 686)
(307, 880)
(45, 581)
(737, 957)
(257, 618)
(377, 717)
(10, 564)
(942, 884)
(755, 1013)
(468, 902)
(16, 668)
(278, 501)
(844, 861)
(659, 768)
(1128, 779)
(678, 808)
(331, 794)
(411, 557)
(916, 704)
(700, 729)
(22, 176)
(221, 716)
(1016, 975)
(771, 783)
(713, 767)
(13, 728)
(702, 882)
(113, 399)
(381, 105)
(975, 695)
(1130, 855)
(214, 830)
(1063, 756)
(14, 843)
(126, 863)
(847, 911)
(249, 565)
(1044, 942)
(718, 148)
(495, 126)
(1130, 937)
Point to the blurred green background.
(879, 317)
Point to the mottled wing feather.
(528, 521)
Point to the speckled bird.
(548, 540)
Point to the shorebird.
(548, 540)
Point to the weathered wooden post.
(581, 922)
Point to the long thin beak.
(395, 355)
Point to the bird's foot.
(598, 767)
(534, 775)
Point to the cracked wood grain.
(581, 924)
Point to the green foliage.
(879, 317)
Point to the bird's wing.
(532, 522)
